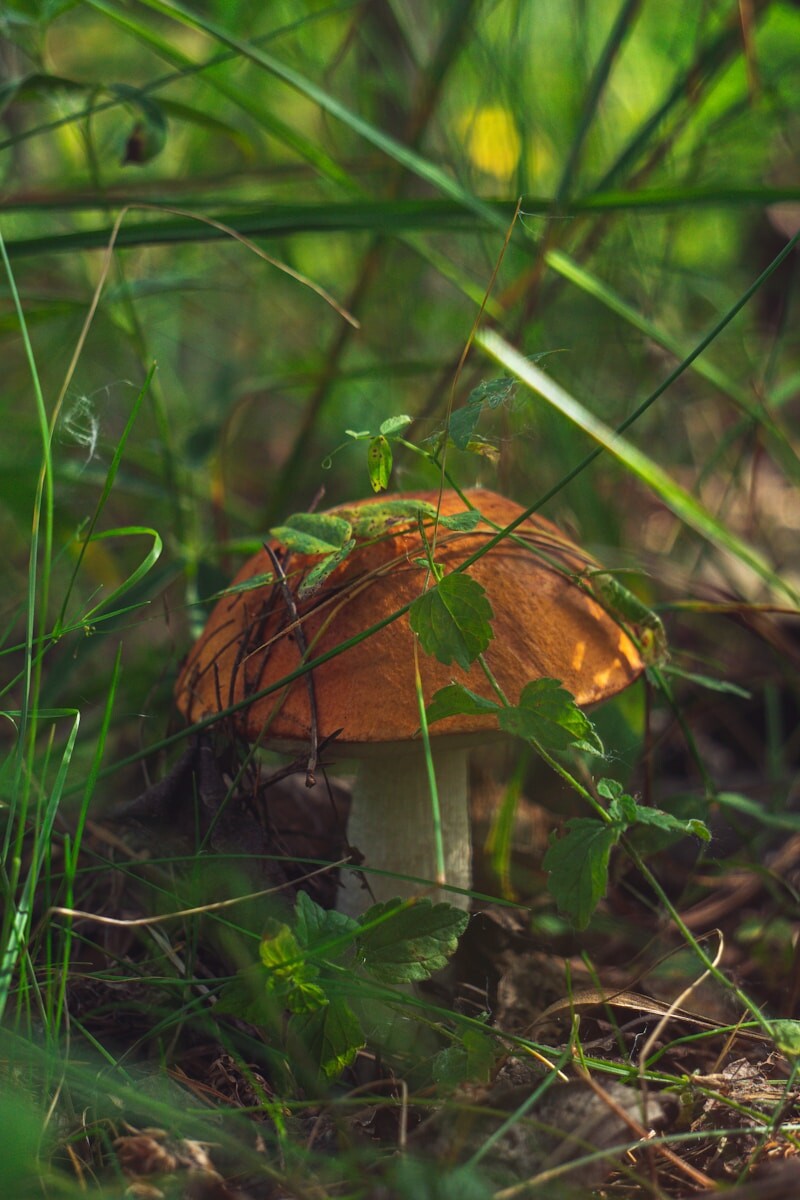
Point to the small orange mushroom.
(545, 626)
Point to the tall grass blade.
(676, 498)
(17, 919)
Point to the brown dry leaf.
(145, 1153)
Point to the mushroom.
(545, 626)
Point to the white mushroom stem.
(391, 823)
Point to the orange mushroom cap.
(545, 625)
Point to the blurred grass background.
(652, 145)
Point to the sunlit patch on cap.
(578, 655)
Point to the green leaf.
(786, 1035)
(624, 810)
(454, 699)
(313, 533)
(463, 420)
(548, 716)
(670, 824)
(461, 428)
(495, 392)
(452, 620)
(279, 950)
(394, 425)
(331, 1037)
(302, 996)
(578, 866)
(610, 789)
(249, 996)
(461, 521)
(375, 519)
(379, 463)
(290, 977)
(408, 943)
(314, 925)
(318, 574)
(473, 1059)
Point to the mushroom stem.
(391, 824)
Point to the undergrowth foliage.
(317, 970)
(550, 245)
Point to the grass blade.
(676, 498)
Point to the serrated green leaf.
(313, 533)
(379, 463)
(622, 807)
(548, 716)
(609, 789)
(452, 620)
(394, 425)
(624, 810)
(408, 943)
(670, 824)
(454, 699)
(331, 1037)
(318, 574)
(578, 867)
(314, 925)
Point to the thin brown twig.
(161, 918)
(636, 1127)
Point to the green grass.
(230, 234)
